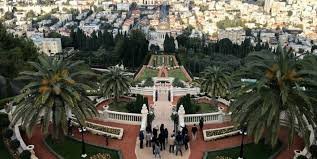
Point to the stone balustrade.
(142, 90)
(177, 91)
(120, 117)
(209, 118)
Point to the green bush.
(4, 120)
(26, 154)
(301, 157)
(189, 106)
(136, 107)
(148, 82)
(8, 133)
(15, 144)
(178, 83)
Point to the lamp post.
(83, 150)
(243, 132)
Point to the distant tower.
(268, 5)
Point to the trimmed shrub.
(15, 144)
(189, 106)
(148, 82)
(136, 107)
(178, 83)
(8, 133)
(26, 154)
(4, 120)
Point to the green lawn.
(148, 73)
(4, 153)
(119, 107)
(206, 108)
(71, 149)
(177, 73)
(251, 151)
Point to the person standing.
(155, 131)
(154, 142)
(171, 142)
(201, 123)
(194, 131)
(148, 137)
(186, 140)
(141, 138)
(157, 151)
(166, 135)
(162, 140)
(178, 149)
(162, 128)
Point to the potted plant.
(8, 133)
(26, 154)
(14, 144)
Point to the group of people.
(158, 138)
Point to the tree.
(278, 89)
(215, 81)
(169, 45)
(8, 15)
(14, 53)
(55, 87)
(30, 14)
(115, 82)
(189, 106)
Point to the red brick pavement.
(126, 145)
(199, 146)
(40, 149)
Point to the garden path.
(162, 111)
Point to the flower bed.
(101, 156)
(218, 133)
(104, 130)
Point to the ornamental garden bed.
(251, 151)
(103, 130)
(147, 73)
(218, 133)
(71, 149)
(177, 73)
(206, 108)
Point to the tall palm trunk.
(57, 130)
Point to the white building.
(51, 46)
(236, 36)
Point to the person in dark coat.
(141, 138)
(154, 142)
(166, 135)
(201, 123)
(184, 131)
(194, 131)
(162, 128)
(186, 140)
(179, 138)
(162, 140)
(155, 131)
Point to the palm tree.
(215, 81)
(278, 90)
(115, 82)
(54, 89)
